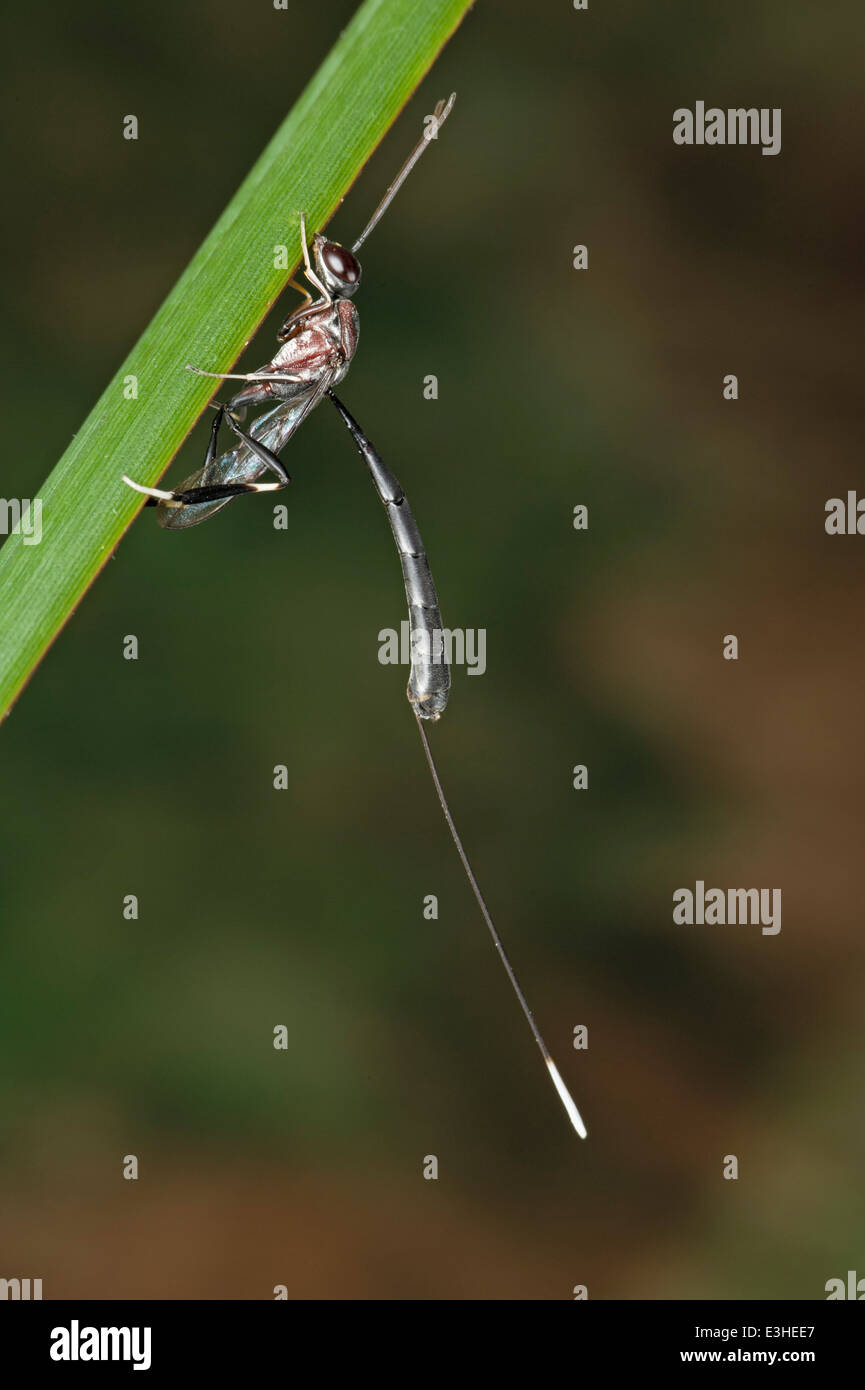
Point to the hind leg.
(219, 492)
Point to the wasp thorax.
(339, 269)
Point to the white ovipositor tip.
(566, 1098)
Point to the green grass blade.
(209, 317)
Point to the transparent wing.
(240, 464)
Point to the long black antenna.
(564, 1094)
(440, 115)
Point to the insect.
(317, 343)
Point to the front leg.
(307, 264)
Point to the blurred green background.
(258, 647)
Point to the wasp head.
(338, 269)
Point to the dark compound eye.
(341, 263)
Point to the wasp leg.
(293, 285)
(307, 264)
(245, 376)
(267, 456)
(156, 495)
(262, 387)
(219, 492)
(214, 436)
